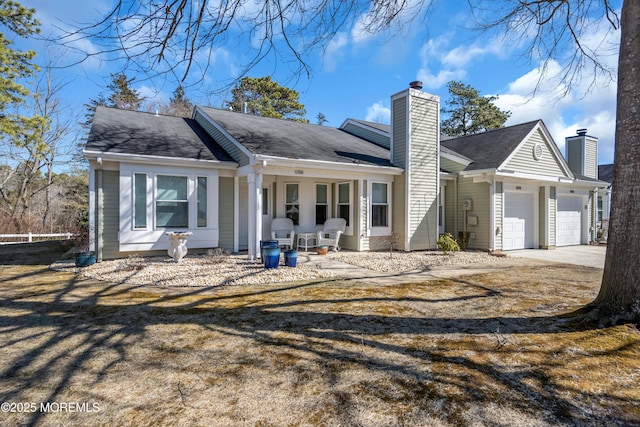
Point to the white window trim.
(379, 231)
(195, 183)
(349, 229)
(191, 201)
(298, 203)
(148, 183)
(152, 238)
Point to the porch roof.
(294, 140)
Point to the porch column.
(254, 216)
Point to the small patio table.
(307, 239)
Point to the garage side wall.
(479, 194)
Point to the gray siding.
(369, 135)
(523, 160)
(574, 155)
(226, 213)
(224, 142)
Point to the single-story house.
(224, 175)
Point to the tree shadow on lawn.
(54, 335)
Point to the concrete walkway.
(587, 255)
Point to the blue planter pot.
(85, 259)
(267, 244)
(271, 257)
(290, 258)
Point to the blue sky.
(355, 75)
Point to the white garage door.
(569, 221)
(518, 221)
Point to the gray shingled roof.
(295, 140)
(490, 149)
(605, 173)
(135, 132)
(374, 125)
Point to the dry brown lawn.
(486, 349)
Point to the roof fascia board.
(454, 157)
(364, 126)
(169, 161)
(215, 124)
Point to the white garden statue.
(178, 242)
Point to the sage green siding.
(523, 160)
(451, 166)
(450, 201)
(226, 213)
(543, 213)
(231, 148)
(479, 194)
(108, 220)
(399, 152)
(591, 158)
(399, 159)
(398, 203)
(369, 135)
(423, 173)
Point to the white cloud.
(563, 109)
(333, 52)
(378, 113)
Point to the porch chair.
(282, 230)
(331, 231)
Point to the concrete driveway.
(587, 255)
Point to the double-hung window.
(344, 201)
(292, 204)
(201, 195)
(172, 204)
(322, 203)
(379, 204)
(140, 200)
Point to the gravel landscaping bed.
(208, 271)
(412, 261)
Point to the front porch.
(310, 196)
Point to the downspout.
(99, 211)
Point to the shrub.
(447, 243)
